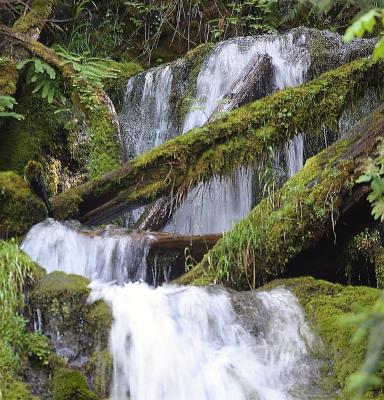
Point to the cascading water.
(109, 255)
(183, 343)
(186, 343)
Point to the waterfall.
(186, 343)
(108, 255)
(149, 117)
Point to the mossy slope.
(325, 305)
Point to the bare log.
(254, 84)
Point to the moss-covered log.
(295, 217)
(240, 138)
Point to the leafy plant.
(92, 69)
(43, 77)
(7, 104)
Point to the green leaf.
(362, 25)
(378, 52)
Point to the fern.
(7, 104)
(43, 77)
(90, 69)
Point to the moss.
(19, 208)
(35, 18)
(65, 298)
(8, 77)
(105, 149)
(16, 390)
(43, 136)
(325, 305)
(71, 385)
(379, 268)
(99, 368)
(239, 138)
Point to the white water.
(185, 343)
(147, 121)
(107, 255)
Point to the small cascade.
(147, 115)
(187, 343)
(219, 203)
(108, 255)
(294, 153)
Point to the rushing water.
(109, 255)
(182, 343)
(185, 343)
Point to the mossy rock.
(71, 385)
(325, 305)
(62, 300)
(19, 207)
(16, 390)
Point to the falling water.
(109, 255)
(186, 343)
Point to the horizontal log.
(241, 137)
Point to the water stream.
(186, 343)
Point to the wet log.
(241, 137)
(254, 84)
(174, 242)
(296, 217)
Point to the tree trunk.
(305, 209)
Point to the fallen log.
(240, 138)
(305, 209)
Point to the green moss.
(99, 368)
(105, 149)
(35, 18)
(379, 268)
(8, 77)
(65, 298)
(19, 208)
(16, 390)
(71, 385)
(325, 305)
